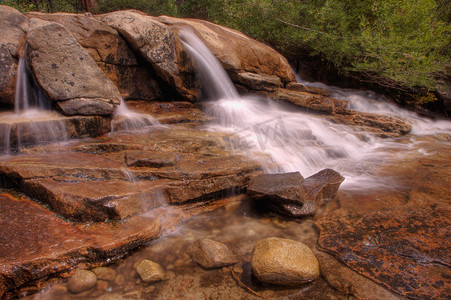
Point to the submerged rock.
(212, 254)
(104, 273)
(283, 262)
(150, 271)
(291, 194)
(66, 73)
(81, 281)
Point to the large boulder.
(131, 74)
(66, 73)
(249, 62)
(158, 45)
(12, 34)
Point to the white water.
(32, 122)
(296, 141)
(125, 119)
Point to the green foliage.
(20, 5)
(151, 7)
(404, 43)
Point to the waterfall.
(32, 122)
(214, 78)
(125, 119)
(294, 141)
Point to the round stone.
(283, 262)
(150, 271)
(81, 281)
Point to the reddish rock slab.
(405, 249)
(36, 244)
(171, 112)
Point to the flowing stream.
(298, 141)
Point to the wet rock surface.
(116, 181)
(398, 240)
(67, 74)
(291, 194)
(14, 27)
(212, 254)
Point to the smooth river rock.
(81, 281)
(212, 254)
(66, 73)
(150, 271)
(283, 262)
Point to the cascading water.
(294, 141)
(33, 122)
(125, 119)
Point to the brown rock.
(404, 249)
(305, 100)
(238, 53)
(23, 131)
(379, 125)
(171, 112)
(212, 254)
(283, 262)
(323, 185)
(81, 281)
(258, 82)
(14, 27)
(284, 187)
(104, 273)
(158, 45)
(132, 76)
(292, 195)
(39, 244)
(65, 72)
(150, 271)
(150, 159)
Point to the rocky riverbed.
(375, 243)
(185, 209)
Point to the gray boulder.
(66, 73)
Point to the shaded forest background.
(399, 47)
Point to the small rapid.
(298, 141)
